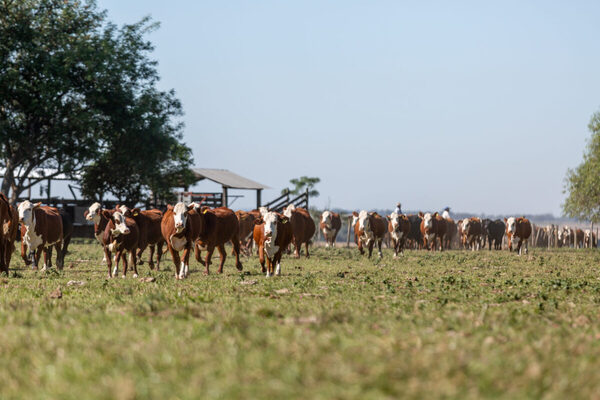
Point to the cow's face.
(120, 226)
(180, 212)
(93, 213)
(466, 223)
(428, 221)
(288, 210)
(326, 219)
(270, 219)
(511, 225)
(26, 212)
(354, 219)
(363, 221)
(395, 221)
(263, 211)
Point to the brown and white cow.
(472, 230)
(579, 238)
(9, 218)
(518, 229)
(246, 221)
(180, 226)
(217, 226)
(148, 222)
(433, 227)
(303, 227)
(566, 236)
(330, 225)
(398, 227)
(590, 240)
(41, 230)
(122, 235)
(272, 234)
(369, 228)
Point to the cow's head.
(326, 219)
(93, 213)
(118, 219)
(364, 224)
(394, 219)
(427, 220)
(511, 225)
(354, 218)
(180, 214)
(289, 210)
(263, 210)
(466, 223)
(26, 212)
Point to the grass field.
(453, 324)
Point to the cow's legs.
(306, 246)
(198, 253)
(223, 257)
(108, 258)
(133, 262)
(47, 258)
(159, 253)
(297, 246)
(185, 265)
(175, 258)
(379, 241)
(269, 267)
(151, 258)
(236, 252)
(209, 252)
(360, 248)
(60, 256)
(371, 244)
(277, 262)
(261, 258)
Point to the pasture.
(427, 325)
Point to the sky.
(480, 106)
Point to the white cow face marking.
(363, 221)
(180, 216)
(511, 225)
(26, 212)
(270, 219)
(354, 220)
(428, 221)
(326, 219)
(120, 225)
(395, 220)
(465, 224)
(94, 213)
(288, 210)
(263, 211)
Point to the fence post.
(348, 236)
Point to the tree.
(78, 97)
(583, 183)
(303, 183)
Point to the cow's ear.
(106, 214)
(86, 213)
(191, 206)
(388, 217)
(136, 211)
(258, 221)
(169, 207)
(505, 220)
(284, 220)
(435, 214)
(37, 205)
(421, 214)
(354, 213)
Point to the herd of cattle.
(125, 233)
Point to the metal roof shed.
(229, 180)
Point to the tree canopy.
(78, 96)
(303, 183)
(582, 184)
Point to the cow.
(460, 234)
(303, 227)
(566, 236)
(590, 239)
(518, 228)
(150, 235)
(398, 227)
(41, 229)
(579, 238)
(122, 236)
(415, 238)
(495, 233)
(472, 231)
(272, 234)
(246, 221)
(330, 225)
(9, 218)
(368, 229)
(180, 226)
(451, 232)
(217, 226)
(433, 227)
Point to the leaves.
(303, 183)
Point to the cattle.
(566, 237)
(122, 236)
(303, 227)
(246, 223)
(95, 213)
(590, 239)
(368, 229)
(180, 226)
(9, 218)
(150, 235)
(330, 225)
(495, 233)
(41, 229)
(217, 226)
(415, 238)
(460, 233)
(484, 231)
(472, 231)
(272, 234)
(451, 232)
(398, 227)
(433, 227)
(518, 228)
(579, 238)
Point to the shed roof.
(227, 178)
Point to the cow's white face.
(270, 219)
(326, 218)
(465, 224)
(363, 221)
(263, 211)
(395, 220)
(354, 220)
(120, 225)
(94, 213)
(587, 233)
(26, 213)
(446, 215)
(180, 216)
(511, 225)
(288, 210)
(428, 221)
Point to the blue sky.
(481, 106)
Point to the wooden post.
(348, 236)
(48, 192)
(225, 202)
(258, 199)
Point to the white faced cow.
(43, 229)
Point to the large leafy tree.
(582, 184)
(302, 184)
(78, 97)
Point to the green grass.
(449, 325)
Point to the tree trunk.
(9, 178)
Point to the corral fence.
(286, 199)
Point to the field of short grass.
(453, 324)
